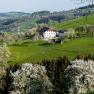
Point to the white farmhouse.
(50, 34)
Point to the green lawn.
(37, 51)
(76, 22)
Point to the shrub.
(4, 54)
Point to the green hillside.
(14, 21)
(29, 51)
(89, 20)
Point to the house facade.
(50, 34)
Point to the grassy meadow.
(29, 51)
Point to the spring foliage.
(4, 53)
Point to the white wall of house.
(49, 35)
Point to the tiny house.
(50, 34)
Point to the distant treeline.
(89, 6)
(11, 21)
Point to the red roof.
(52, 30)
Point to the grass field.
(76, 22)
(29, 51)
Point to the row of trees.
(35, 33)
